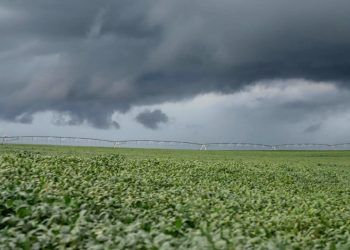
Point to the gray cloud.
(152, 119)
(63, 119)
(75, 119)
(88, 59)
(313, 128)
(24, 118)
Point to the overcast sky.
(272, 71)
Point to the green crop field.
(103, 198)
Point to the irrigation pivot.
(149, 143)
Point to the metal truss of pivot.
(116, 144)
(203, 147)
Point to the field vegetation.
(97, 198)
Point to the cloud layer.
(87, 59)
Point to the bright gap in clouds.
(279, 111)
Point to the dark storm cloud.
(88, 59)
(152, 119)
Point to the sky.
(272, 71)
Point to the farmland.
(99, 198)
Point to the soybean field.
(54, 197)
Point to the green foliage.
(111, 201)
